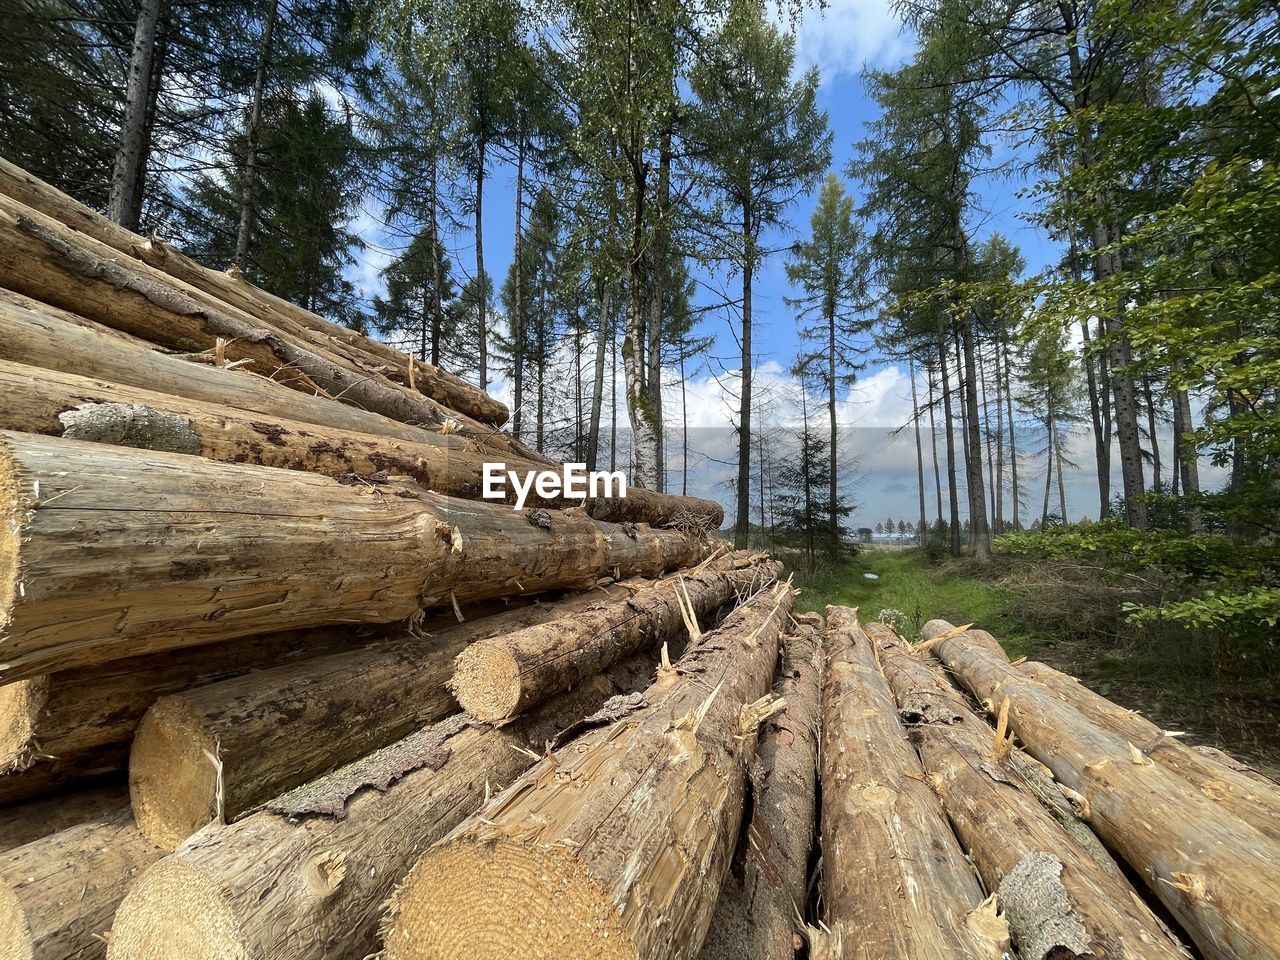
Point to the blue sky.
(880, 472)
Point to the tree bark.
(495, 679)
(59, 894)
(188, 551)
(45, 260)
(758, 914)
(574, 838)
(933, 438)
(306, 878)
(979, 530)
(23, 823)
(274, 729)
(1216, 874)
(922, 533)
(1253, 801)
(890, 863)
(951, 448)
(248, 175)
(597, 379)
(126, 179)
(1061, 899)
(742, 525)
(1188, 460)
(61, 728)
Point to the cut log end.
(176, 910)
(15, 931)
(481, 899)
(486, 682)
(20, 706)
(173, 774)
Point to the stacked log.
(306, 877)
(1217, 874)
(616, 844)
(896, 882)
(1061, 898)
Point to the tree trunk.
(445, 388)
(1217, 875)
(1188, 460)
(933, 439)
(274, 729)
(923, 531)
(1157, 472)
(1060, 899)
(742, 525)
(890, 863)
(1062, 475)
(660, 265)
(517, 297)
(342, 842)
(597, 380)
(1048, 470)
(482, 280)
(188, 551)
(1013, 442)
(684, 431)
(951, 447)
(833, 486)
(241, 258)
(574, 837)
(59, 894)
(1253, 801)
(999, 474)
(993, 490)
(24, 823)
(979, 531)
(757, 915)
(500, 677)
(126, 179)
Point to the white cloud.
(848, 35)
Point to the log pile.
(278, 683)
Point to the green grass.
(920, 591)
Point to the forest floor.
(1174, 682)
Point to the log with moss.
(1219, 876)
(1061, 898)
(616, 844)
(187, 551)
(760, 912)
(25, 822)
(306, 877)
(219, 750)
(52, 402)
(360, 351)
(895, 882)
(58, 894)
(499, 677)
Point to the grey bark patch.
(328, 795)
(1040, 914)
(613, 710)
(130, 425)
(920, 707)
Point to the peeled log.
(60, 728)
(186, 551)
(51, 402)
(616, 844)
(1253, 799)
(58, 895)
(762, 902)
(497, 678)
(23, 823)
(1218, 876)
(890, 863)
(441, 386)
(1059, 899)
(274, 729)
(306, 878)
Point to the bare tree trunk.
(833, 491)
(1157, 473)
(437, 295)
(482, 279)
(933, 439)
(684, 430)
(517, 300)
(923, 531)
(994, 490)
(657, 286)
(743, 523)
(603, 339)
(252, 131)
(1000, 373)
(1013, 442)
(1188, 459)
(1062, 480)
(1048, 469)
(979, 531)
(126, 180)
(948, 425)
